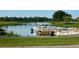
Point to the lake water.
(22, 30)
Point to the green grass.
(5, 23)
(38, 41)
(64, 24)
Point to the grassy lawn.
(38, 41)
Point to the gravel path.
(60, 46)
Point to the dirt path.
(60, 46)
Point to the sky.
(32, 13)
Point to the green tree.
(67, 18)
(59, 15)
(77, 19)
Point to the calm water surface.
(22, 30)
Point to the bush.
(2, 32)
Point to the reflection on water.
(22, 30)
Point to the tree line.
(26, 19)
(58, 16)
